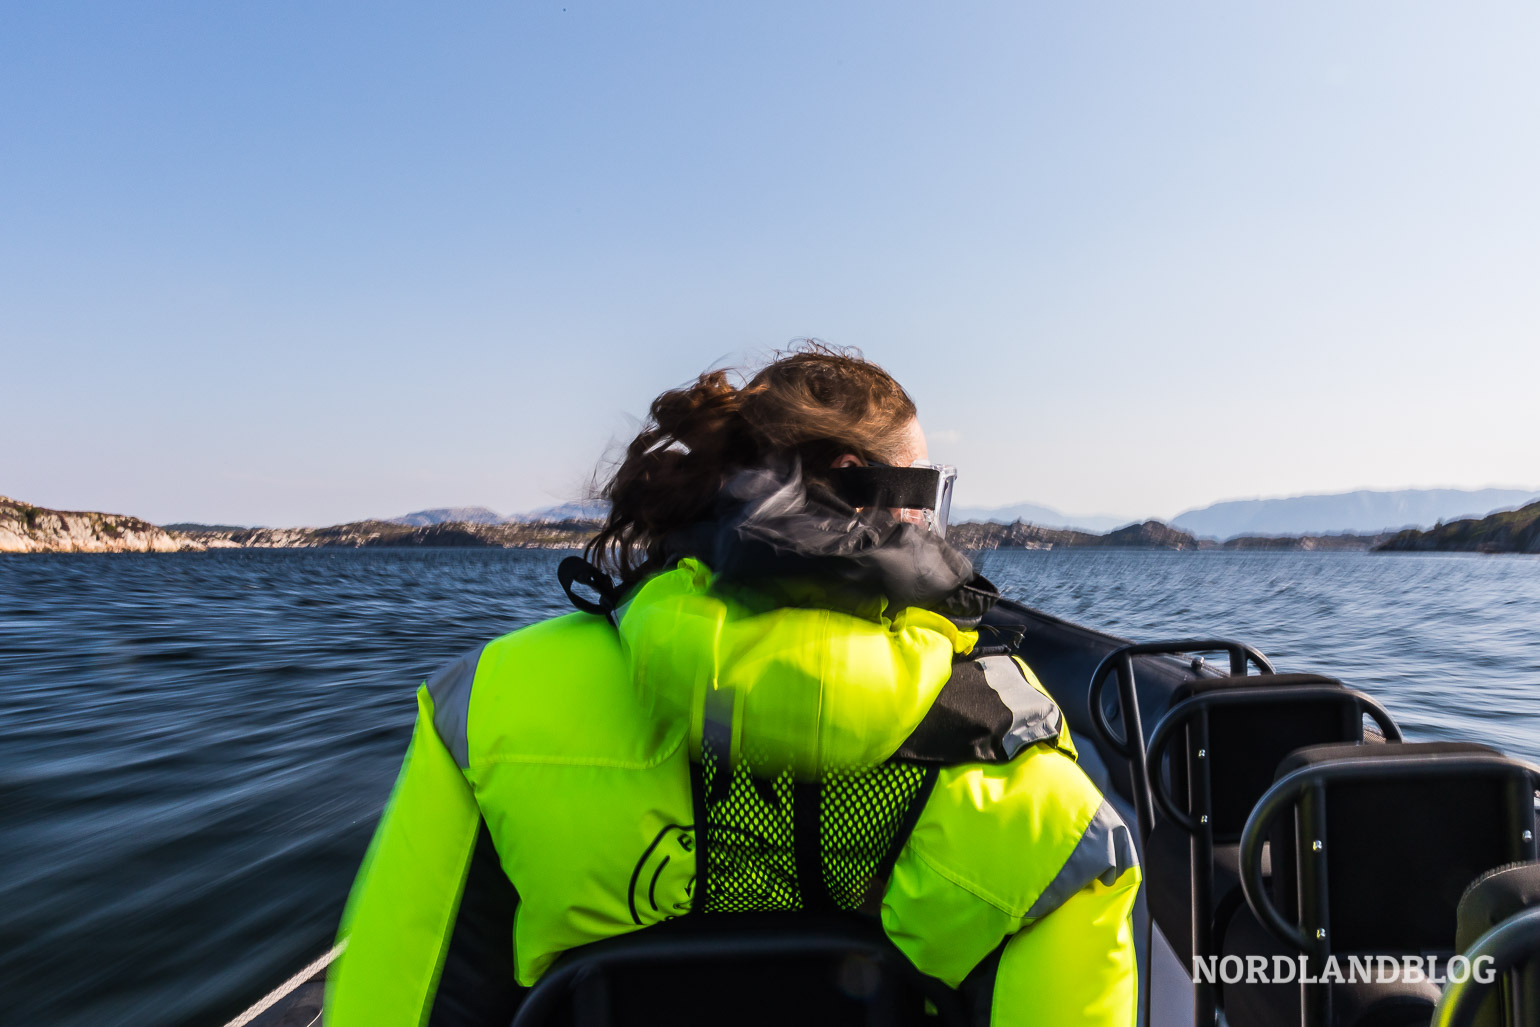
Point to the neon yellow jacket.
(569, 743)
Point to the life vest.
(704, 753)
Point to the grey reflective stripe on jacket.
(450, 687)
(1034, 717)
(1105, 851)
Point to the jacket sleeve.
(1027, 863)
(1075, 965)
(401, 915)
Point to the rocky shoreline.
(1023, 535)
(371, 534)
(1511, 531)
(31, 529)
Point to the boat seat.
(1494, 897)
(1372, 848)
(1210, 758)
(1260, 719)
(1491, 899)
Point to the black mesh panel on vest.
(748, 831)
(749, 857)
(864, 820)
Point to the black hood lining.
(778, 539)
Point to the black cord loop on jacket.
(575, 570)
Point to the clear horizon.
(301, 266)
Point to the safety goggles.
(922, 486)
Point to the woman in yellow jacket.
(780, 707)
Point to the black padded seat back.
(751, 969)
(1246, 743)
(1197, 686)
(1400, 850)
(1492, 898)
(1313, 755)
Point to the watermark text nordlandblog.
(1358, 970)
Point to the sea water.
(194, 747)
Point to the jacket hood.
(777, 539)
(810, 689)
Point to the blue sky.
(302, 263)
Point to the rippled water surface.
(193, 747)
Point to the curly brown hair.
(813, 403)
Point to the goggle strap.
(911, 488)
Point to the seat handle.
(1510, 943)
(1294, 785)
(1121, 660)
(1130, 746)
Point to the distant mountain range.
(1363, 512)
(1032, 513)
(1249, 522)
(482, 515)
(450, 515)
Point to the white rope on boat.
(267, 1001)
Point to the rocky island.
(1509, 531)
(33, 529)
(1022, 535)
(1346, 542)
(569, 534)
